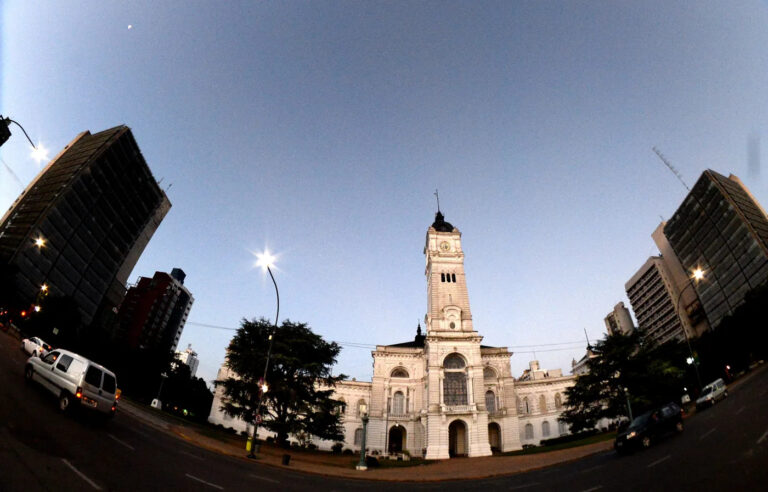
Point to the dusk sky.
(321, 130)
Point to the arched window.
(453, 277)
(359, 436)
(455, 382)
(526, 405)
(399, 372)
(398, 404)
(442, 277)
(528, 431)
(562, 427)
(489, 373)
(542, 404)
(545, 429)
(360, 402)
(341, 408)
(558, 401)
(490, 401)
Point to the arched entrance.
(494, 437)
(457, 439)
(396, 439)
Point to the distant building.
(619, 320)
(651, 293)
(154, 312)
(580, 367)
(721, 228)
(188, 357)
(81, 225)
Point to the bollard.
(286, 459)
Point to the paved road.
(724, 448)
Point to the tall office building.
(651, 293)
(189, 357)
(619, 320)
(154, 312)
(722, 229)
(81, 225)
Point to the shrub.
(270, 439)
(336, 448)
(311, 446)
(347, 451)
(371, 462)
(244, 433)
(569, 437)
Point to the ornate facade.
(444, 394)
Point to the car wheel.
(679, 427)
(65, 402)
(28, 374)
(646, 442)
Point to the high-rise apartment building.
(189, 357)
(651, 293)
(723, 230)
(619, 320)
(154, 312)
(79, 228)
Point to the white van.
(75, 380)
(711, 393)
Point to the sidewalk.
(339, 465)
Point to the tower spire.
(438, 200)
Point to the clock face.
(445, 246)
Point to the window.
(64, 362)
(453, 277)
(398, 404)
(109, 383)
(359, 410)
(359, 436)
(529, 431)
(93, 376)
(51, 357)
(490, 401)
(545, 429)
(341, 407)
(399, 373)
(526, 405)
(562, 427)
(558, 401)
(442, 277)
(455, 382)
(542, 404)
(489, 373)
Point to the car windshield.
(639, 421)
(707, 390)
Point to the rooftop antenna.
(438, 199)
(587, 337)
(671, 167)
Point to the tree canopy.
(300, 381)
(651, 374)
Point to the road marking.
(81, 475)
(206, 483)
(524, 486)
(593, 488)
(739, 410)
(659, 461)
(592, 469)
(264, 478)
(762, 438)
(122, 442)
(710, 431)
(192, 456)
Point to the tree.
(299, 377)
(651, 374)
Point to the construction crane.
(670, 166)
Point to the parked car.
(35, 346)
(75, 381)
(649, 427)
(712, 393)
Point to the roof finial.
(438, 200)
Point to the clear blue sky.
(321, 129)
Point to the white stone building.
(444, 394)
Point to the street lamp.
(629, 405)
(264, 260)
(698, 275)
(364, 415)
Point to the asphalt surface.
(722, 448)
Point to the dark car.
(649, 427)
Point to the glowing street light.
(698, 276)
(44, 287)
(39, 153)
(39, 242)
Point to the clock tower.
(448, 313)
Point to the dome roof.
(440, 224)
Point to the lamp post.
(364, 416)
(265, 261)
(698, 275)
(629, 405)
